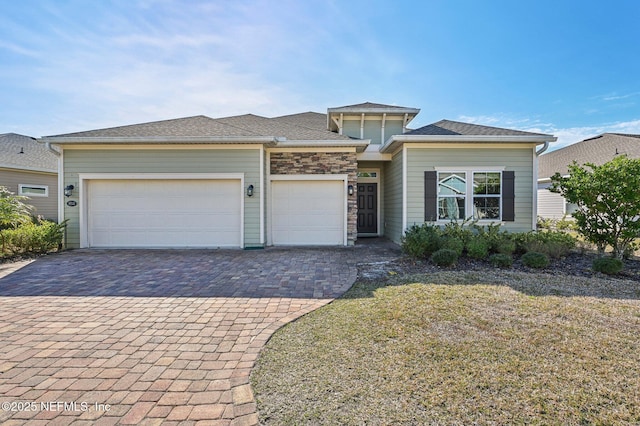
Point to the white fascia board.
(359, 110)
(68, 140)
(360, 145)
(17, 168)
(399, 139)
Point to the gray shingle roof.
(370, 105)
(22, 152)
(597, 150)
(199, 125)
(311, 120)
(248, 125)
(448, 127)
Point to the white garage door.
(308, 212)
(164, 213)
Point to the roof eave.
(360, 144)
(356, 110)
(396, 140)
(20, 168)
(79, 140)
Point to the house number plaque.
(72, 203)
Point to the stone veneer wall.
(323, 163)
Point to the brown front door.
(367, 208)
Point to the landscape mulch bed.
(576, 264)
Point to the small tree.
(13, 210)
(608, 200)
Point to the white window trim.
(21, 186)
(469, 195)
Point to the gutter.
(49, 147)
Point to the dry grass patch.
(457, 349)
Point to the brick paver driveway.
(154, 336)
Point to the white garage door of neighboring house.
(308, 212)
(164, 213)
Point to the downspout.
(49, 147)
(543, 149)
(534, 219)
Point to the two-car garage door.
(164, 213)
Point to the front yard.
(460, 347)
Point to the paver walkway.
(154, 336)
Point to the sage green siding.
(520, 160)
(392, 178)
(392, 127)
(351, 128)
(245, 161)
(373, 131)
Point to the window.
(464, 194)
(33, 190)
(486, 195)
(452, 190)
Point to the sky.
(563, 67)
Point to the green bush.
(608, 265)
(554, 244)
(501, 260)
(420, 241)
(444, 257)
(37, 238)
(452, 243)
(534, 259)
(499, 241)
(477, 248)
(458, 230)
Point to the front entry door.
(367, 208)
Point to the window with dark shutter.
(508, 196)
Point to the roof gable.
(23, 152)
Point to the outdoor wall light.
(68, 190)
(250, 191)
(350, 189)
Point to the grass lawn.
(500, 347)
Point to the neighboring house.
(28, 168)
(597, 150)
(303, 179)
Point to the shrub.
(37, 238)
(608, 265)
(499, 241)
(534, 259)
(453, 243)
(420, 241)
(444, 257)
(501, 260)
(458, 230)
(478, 248)
(552, 243)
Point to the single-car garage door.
(164, 213)
(308, 212)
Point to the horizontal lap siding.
(520, 160)
(44, 206)
(392, 178)
(245, 161)
(550, 204)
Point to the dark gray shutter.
(508, 196)
(430, 196)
